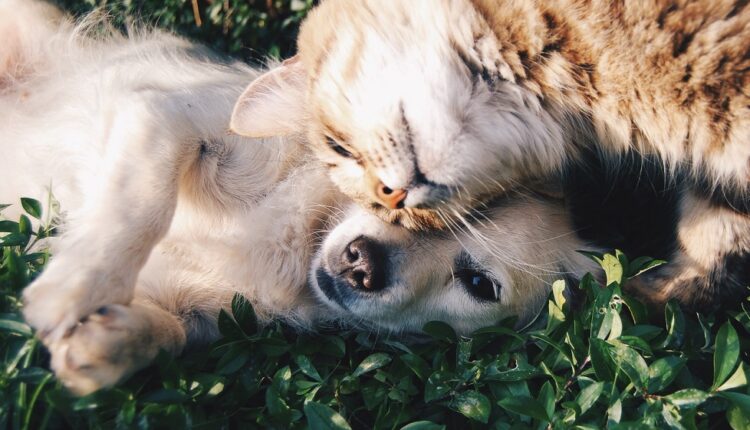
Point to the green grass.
(248, 29)
(605, 364)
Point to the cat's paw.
(108, 346)
(65, 293)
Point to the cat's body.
(426, 109)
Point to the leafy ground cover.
(249, 29)
(605, 363)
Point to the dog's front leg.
(106, 242)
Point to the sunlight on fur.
(166, 215)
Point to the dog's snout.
(363, 264)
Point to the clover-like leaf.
(524, 405)
(320, 416)
(726, 354)
(372, 362)
(472, 404)
(32, 207)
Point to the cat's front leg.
(710, 267)
(129, 206)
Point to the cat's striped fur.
(456, 101)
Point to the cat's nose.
(363, 264)
(390, 198)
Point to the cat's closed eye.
(338, 148)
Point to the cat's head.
(412, 106)
(375, 275)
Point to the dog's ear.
(273, 104)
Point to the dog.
(165, 216)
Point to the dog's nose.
(392, 199)
(363, 264)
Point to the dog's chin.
(325, 288)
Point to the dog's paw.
(64, 294)
(109, 345)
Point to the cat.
(425, 110)
(165, 216)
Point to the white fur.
(166, 216)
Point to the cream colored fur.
(166, 216)
(457, 101)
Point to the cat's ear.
(273, 104)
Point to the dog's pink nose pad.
(392, 199)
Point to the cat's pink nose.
(390, 198)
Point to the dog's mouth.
(327, 285)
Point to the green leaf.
(233, 360)
(463, 351)
(631, 363)
(638, 310)
(601, 359)
(547, 398)
(737, 418)
(440, 330)
(472, 404)
(273, 347)
(229, 327)
(372, 362)
(558, 293)
(742, 401)
(275, 404)
(417, 364)
(675, 325)
(32, 207)
(244, 314)
(17, 327)
(687, 398)
(306, 366)
(7, 226)
(373, 394)
(165, 395)
(24, 226)
(14, 239)
(423, 425)
(521, 372)
(726, 354)
(282, 379)
(321, 417)
(636, 343)
(524, 405)
(589, 395)
(437, 386)
(643, 264)
(126, 415)
(612, 268)
(614, 412)
(738, 379)
(663, 372)
(498, 330)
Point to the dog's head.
(381, 276)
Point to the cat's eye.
(338, 148)
(479, 285)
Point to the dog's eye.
(479, 285)
(338, 148)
